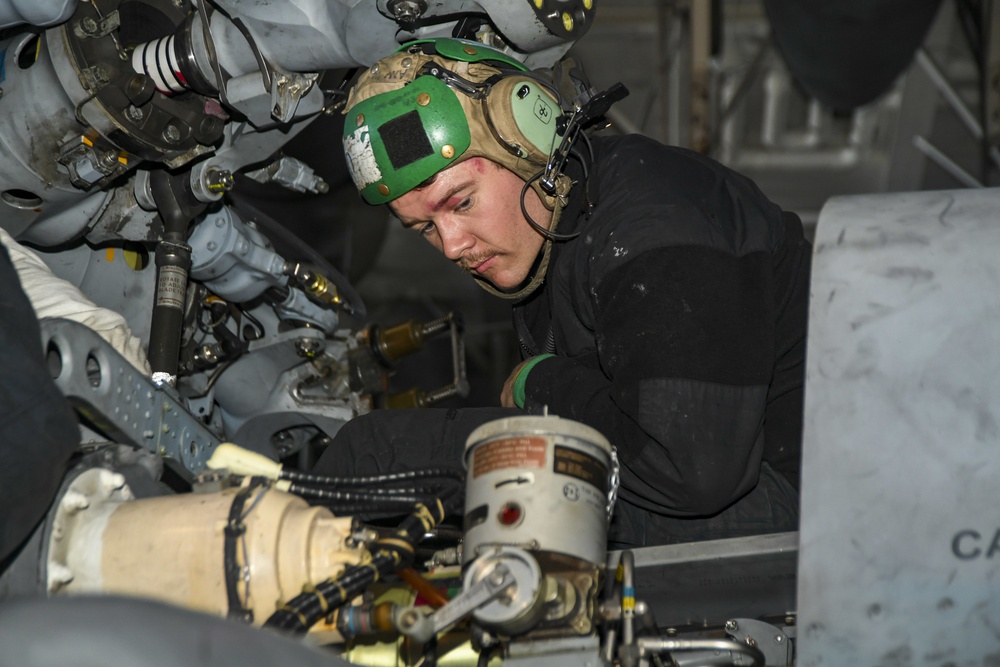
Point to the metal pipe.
(650, 645)
(940, 159)
(948, 93)
(628, 597)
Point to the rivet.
(383, 189)
(360, 120)
(406, 62)
(471, 51)
(448, 151)
(374, 69)
(423, 99)
(567, 19)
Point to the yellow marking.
(132, 259)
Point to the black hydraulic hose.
(391, 493)
(388, 478)
(388, 554)
(354, 497)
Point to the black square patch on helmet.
(405, 140)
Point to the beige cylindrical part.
(171, 549)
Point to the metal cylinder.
(540, 483)
(158, 60)
(172, 548)
(173, 260)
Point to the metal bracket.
(287, 88)
(118, 400)
(97, 28)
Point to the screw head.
(732, 626)
(171, 134)
(134, 113)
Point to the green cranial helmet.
(434, 103)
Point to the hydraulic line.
(424, 588)
(649, 646)
(388, 554)
(375, 480)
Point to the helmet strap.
(538, 276)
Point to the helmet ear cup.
(523, 115)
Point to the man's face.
(472, 213)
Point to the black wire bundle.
(392, 493)
(388, 554)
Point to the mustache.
(467, 262)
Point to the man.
(658, 297)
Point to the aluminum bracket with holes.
(119, 401)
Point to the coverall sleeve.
(679, 379)
(38, 430)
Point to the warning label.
(524, 452)
(170, 287)
(582, 466)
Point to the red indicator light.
(510, 514)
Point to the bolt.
(308, 347)
(732, 626)
(789, 620)
(751, 641)
(208, 354)
(496, 577)
(407, 11)
(134, 113)
(88, 25)
(671, 632)
(109, 159)
(171, 134)
(219, 180)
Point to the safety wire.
(389, 553)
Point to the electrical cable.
(388, 554)
(531, 221)
(387, 478)
(355, 497)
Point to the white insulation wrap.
(40, 13)
(52, 296)
(900, 535)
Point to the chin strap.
(558, 203)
